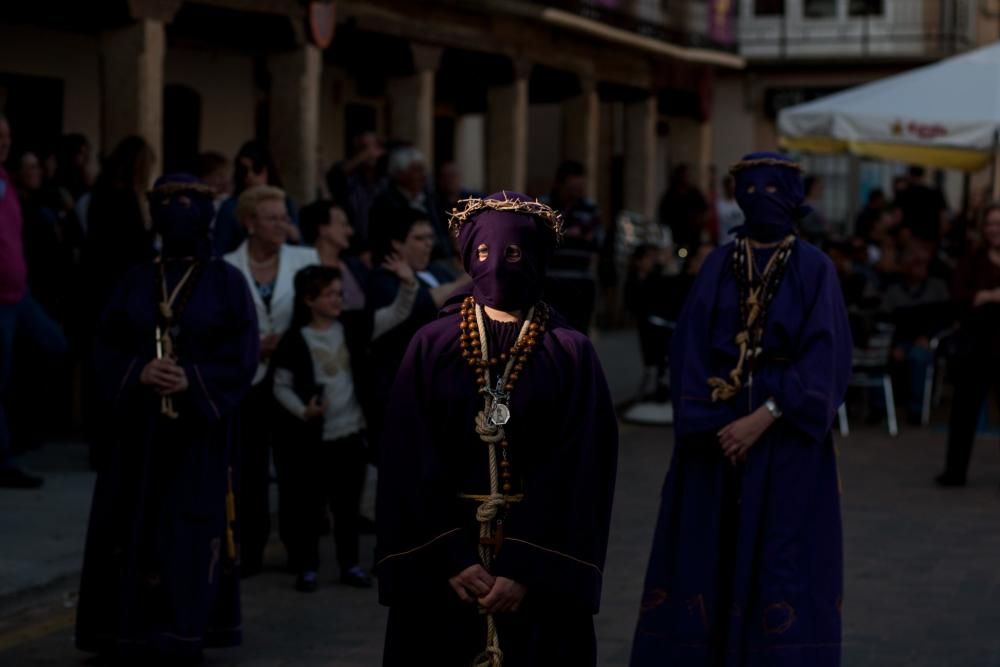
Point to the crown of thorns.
(473, 206)
(764, 162)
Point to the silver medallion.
(500, 414)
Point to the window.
(820, 9)
(867, 7)
(769, 7)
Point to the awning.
(944, 115)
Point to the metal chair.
(651, 405)
(870, 369)
(932, 388)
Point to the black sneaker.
(948, 481)
(357, 577)
(15, 478)
(307, 582)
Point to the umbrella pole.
(854, 183)
(995, 171)
(966, 191)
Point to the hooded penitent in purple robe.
(746, 564)
(160, 579)
(563, 448)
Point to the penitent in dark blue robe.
(746, 564)
(157, 578)
(563, 442)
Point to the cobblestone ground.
(923, 580)
(922, 564)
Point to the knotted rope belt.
(487, 511)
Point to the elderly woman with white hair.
(407, 191)
(269, 265)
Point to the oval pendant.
(500, 414)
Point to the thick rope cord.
(487, 430)
(484, 348)
(488, 510)
(748, 338)
(722, 390)
(164, 341)
(491, 656)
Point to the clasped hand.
(493, 594)
(165, 376)
(737, 438)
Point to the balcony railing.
(707, 24)
(831, 29)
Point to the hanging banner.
(322, 19)
(721, 28)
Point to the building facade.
(506, 89)
(799, 50)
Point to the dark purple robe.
(563, 443)
(156, 574)
(746, 564)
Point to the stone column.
(507, 136)
(411, 102)
(706, 148)
(640, 157)
(132, 90)
(296, 77)
(470, 150)
(333, 94)
(581, 132)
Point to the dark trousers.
(316, 476)
(254, 510)
(972, 387)
(26, 324)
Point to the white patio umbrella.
(944, 115)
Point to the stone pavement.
(923, 564)
(43, 530)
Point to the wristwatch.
(773, 408)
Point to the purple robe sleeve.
(220, 379)
(556, 539)
(423, 537)
(812, 386)
(690, 357)
(119, 353)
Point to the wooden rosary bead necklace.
(475, 350)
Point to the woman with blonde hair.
(269, 266)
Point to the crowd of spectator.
(339, 284)
(378, 230)
(338, 287)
